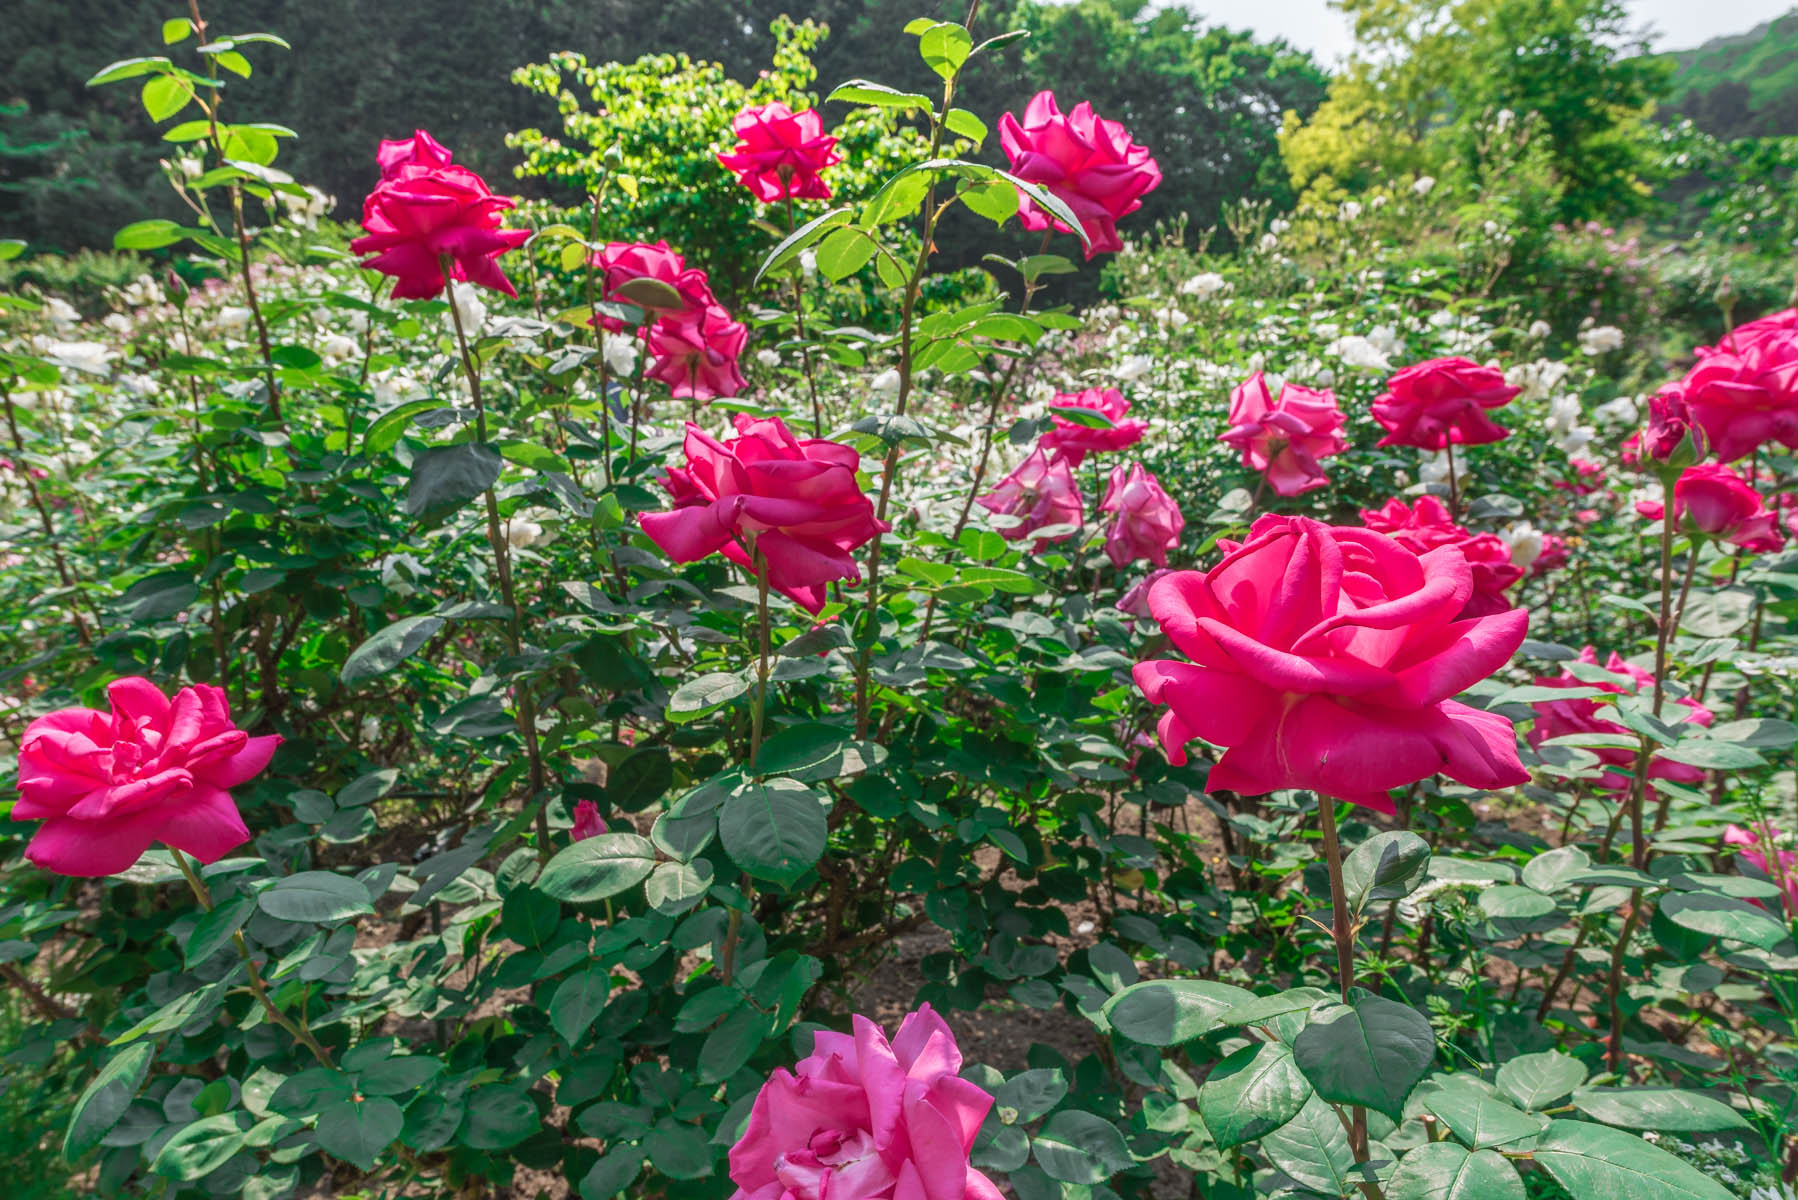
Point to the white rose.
(1134, 367)
(620, 353)
(768, 358)
(1624, 410)
(232, 318)
(1424, 185)
(469, 306)
(887, 382)
(1540, 329)
(1204, 285)
(91, 357)
(1268, 243)
(1349, 210)
(1600, 339)
(1524, 541)
(60, 312)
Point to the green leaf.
(11, 248)
(1555, 869)
(1387, 866)
(358, 1130)
(1251, 1093)
(317, 897)
(1086, 418)
(1713, 755)
(1761, 733)
(1509, 902)
(729, 1046)
(1080, 1147)
(864, 91)
(790, 246)
(1596, 1162)
(597, 867)
(964, 123)
(1371, 1052)
(1538, 1080)
(674, 887)
(616, 1170)
(705, 694)
(1445, 1171)
(199, 1149)
(945, 46)
(148, 235)
(129, 68)
(1029, 1094)
(389, 646)
(499, 1117)
(578, 1001)
(214, 929)
(177, 29)
(384, 432)
(107, 1098)
(774, 829)
(166, 95)
(844, 252)
(1478, 1119)
(678, 1151)
(399, 1075)
(1167, 1012)
(444, 478)
(1671, 1109)
(812, 751)
(1313, 1148)
(1724, 917)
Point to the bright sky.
(1315, 26)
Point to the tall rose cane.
(1326, 658)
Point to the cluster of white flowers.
(1600, 339)
(306, 209)
(1536, 380)
(1349, 210)
(1205, 285)
(768, 358)
(1540, 329)
(1358, 351)
(1566, 425)
(1172, 318)
(1423, 185)
(1624, 410)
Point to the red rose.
(1148, 522)
(1088, 163)
(421, 214)
(1443, 401)
(1715, 501)
(1427, 525)
(696, 354)
(779, 153)
(1041, 493)
(420, 148)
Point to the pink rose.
(1285, 438)
(1324, 657)
(1427, 525)
(1557, 718)
(1715, 501)
(1073, 441)
(587, 822)
(1552, 556)
(1440, 401)
(108, 784)
(1041, 492)
(795, 503)
(861, 1118)
(1744, 390)
(1087, 162)
(697, 354)
(1135, 602)
(1148, 522)
(779, 153)
(621, 262)
(420, 148)
(420, 214)
(1785, 874)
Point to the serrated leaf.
(1251, 1093)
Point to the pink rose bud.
(1088, 163)
(780, 153)
(108, 784)
(1285, 438)
(1744, 390)
(1558, 718)
(1326, 657)
(1443, 401)
(420, 213)
(1042, 492)
(587, 822)
(1073, 441)
(1713, 500)
(1148, 522)
(796, 502)
(862, 1118)
(1673, 440)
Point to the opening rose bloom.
(1083, 160)
(1713, 500)
(1284, 439)
(698, 355)
(1552, 557)
(780, 153)
(619, 263)
(421, 213)
(1443, 401)
(1073, 441)
(106, 785)
(1672, 439)
(1557, 718)
(1427, 525)
(862, 1118)
(1744, 390)
(420, 148)
(1325, 657)
(796, 502)
(1041, 492)
(1148, 522)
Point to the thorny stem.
(259, 989)
(805, 351)
(1342, 929)
(502, 559)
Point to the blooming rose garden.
(499, 710)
